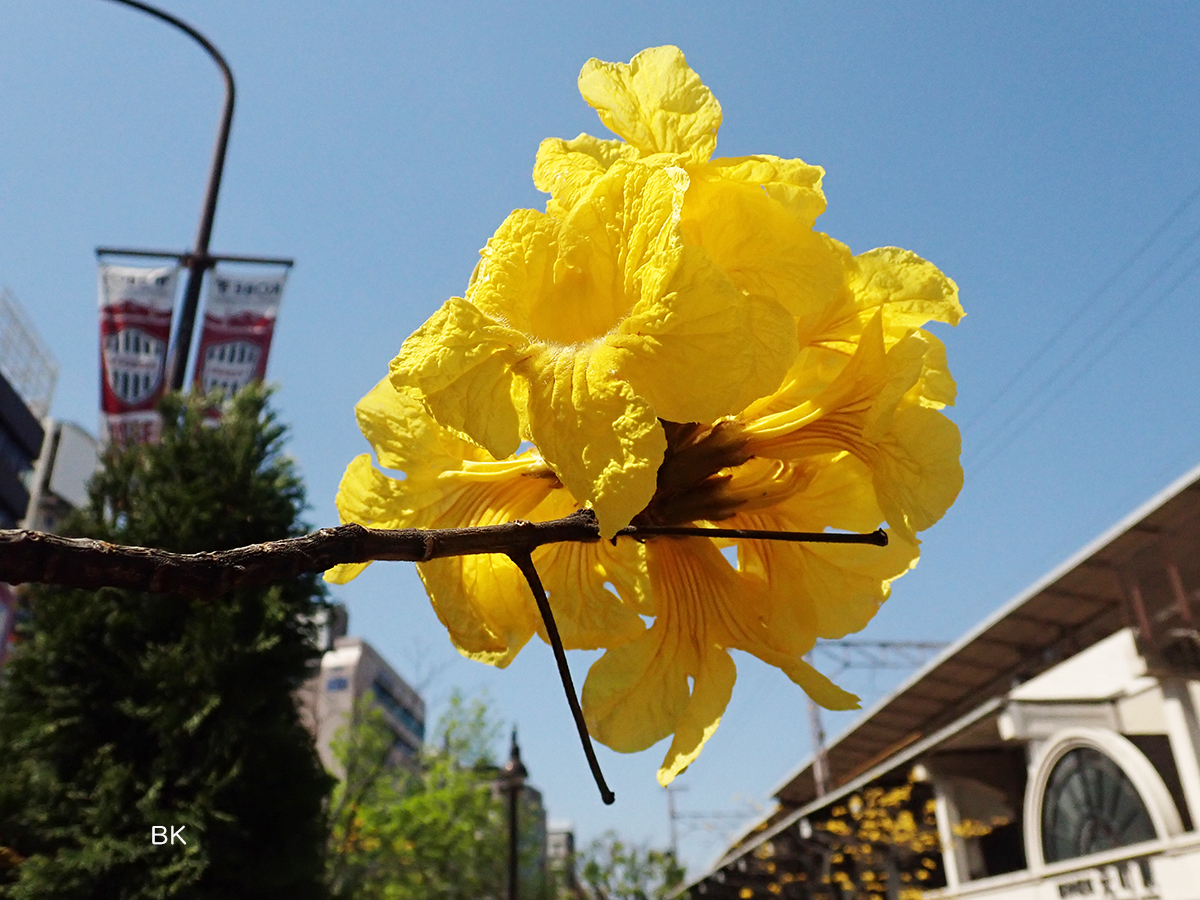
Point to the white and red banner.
(135, 331)
(239, 321)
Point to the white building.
(349, 672)
(1054, 751)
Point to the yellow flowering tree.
(669, 343)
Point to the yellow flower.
(579, 333)
(483, 600)
(680, 347)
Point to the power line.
(1052, 397)
(1078, 312)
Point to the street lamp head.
(514, 772)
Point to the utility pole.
(854, 654)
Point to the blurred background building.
(351, 670)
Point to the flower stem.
(524, 562)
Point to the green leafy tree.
(436, 830)
(121, 712)
(612, 869)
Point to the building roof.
(1082, 601)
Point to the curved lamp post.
(198, 260)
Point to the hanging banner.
(135, 330)
(239, 321)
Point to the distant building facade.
(69, 458)
(1053, 752)
(21, 437)
(350, 671)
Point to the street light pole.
(513, 777)
(198, 260)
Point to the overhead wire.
(1076, 314)
(995, 444)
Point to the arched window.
(1090, 805)
(1091, 790)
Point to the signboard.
(135, 330)
(239, 321)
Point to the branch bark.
(32, 556)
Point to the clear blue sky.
(1028, 149)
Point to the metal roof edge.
(1176, 487)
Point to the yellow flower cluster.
(669, 342)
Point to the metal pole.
(820, 764)
(513, 774)
(199, 260)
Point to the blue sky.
(1031, 150)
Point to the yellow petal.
(917, 472)
(704, 350)
(635, 693)
(699, 720)
(624, 238)
(568, 283)
(763, 248)
(792, 183)
(936, 388)
(567, 169)
(603, 441)
(588, 614)
(485, 604)
(656, 102)
(817, 686)
(459, 364)
(913, 290)
(404, 435)
(595, 590)
(909, 290)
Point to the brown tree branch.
(32, 556)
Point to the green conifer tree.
(123, 711)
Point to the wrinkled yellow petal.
(698, 722)
(603, 441)
(404, 436)
(913, 290)
(459, 364)
(792, 183)
(762, 248)
(909, 290)
(567, 169)
(917, 470)
(655, 102)
(625, 236)
(703, 349)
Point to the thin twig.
(33, 556)
(524, 562)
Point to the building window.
(1090, 805)
(385, 698)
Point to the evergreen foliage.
(439, 830)
(121, 711)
